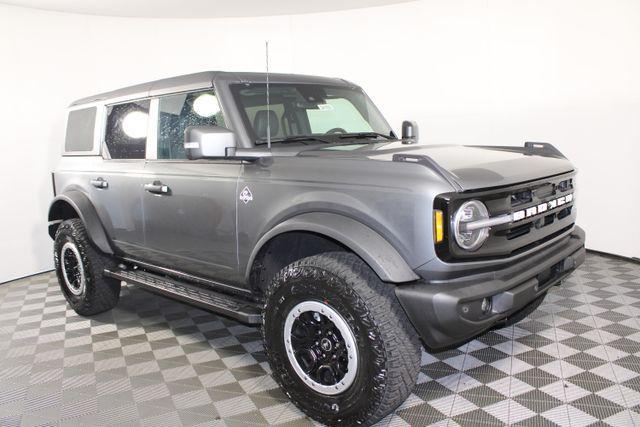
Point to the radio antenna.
(268, 105)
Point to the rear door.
(115, 185)
(190, 206)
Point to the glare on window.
(206, 105)
(134, 124)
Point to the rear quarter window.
(80, 128)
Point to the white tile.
(234, 406)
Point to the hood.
(470, 167)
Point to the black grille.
(521, 198)
(510, 239)
(518, 231)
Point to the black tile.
(536, 377)
(477, 417)
(597, 406)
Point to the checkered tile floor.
(155, 362)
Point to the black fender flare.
(374, 249)
(87, 213)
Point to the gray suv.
(289, 202)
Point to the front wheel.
(79, 267)
(338, 342)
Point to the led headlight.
(470, 211)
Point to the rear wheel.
(79, 267)
(338, 342)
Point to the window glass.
(306, 109)
(80, 128)
(277, 114)
(177, 112)
(126, 133)
(337, 110)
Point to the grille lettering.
(543, 207)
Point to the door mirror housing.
(205, 142)
(409, 132)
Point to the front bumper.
(449, 313)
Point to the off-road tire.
(389, 350)
(100, 293)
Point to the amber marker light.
(438, 226)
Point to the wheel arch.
(347, 234)
(75, 204)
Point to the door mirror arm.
(216, 142)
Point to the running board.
(228, 305)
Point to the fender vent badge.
(245, 195)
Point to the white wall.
(470, 72)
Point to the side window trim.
(99, 132)
(152, 132)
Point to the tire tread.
(104, 292)
(402, 346)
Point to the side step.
(228, 305)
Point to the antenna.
(268, 105)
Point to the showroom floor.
(156, 362)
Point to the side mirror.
(202, 142)
(409, 132)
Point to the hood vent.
(427, 161)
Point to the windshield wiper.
(298, 138)
(352, 135)
(364, 135)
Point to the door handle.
(99, 183)
(156, 187)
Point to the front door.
(190, 217)
(190, 206)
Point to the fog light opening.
(486, 305)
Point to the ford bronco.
(288, 202)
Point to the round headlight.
(470, 211)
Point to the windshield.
(299, 110)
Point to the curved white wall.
(195, 8)
(471, 72)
